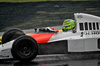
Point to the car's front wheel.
(24, 48)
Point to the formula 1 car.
(86, 38)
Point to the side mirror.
(73, 30)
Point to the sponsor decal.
(4, 53)
(79, 16)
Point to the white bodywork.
(81, 41)
(5, 50)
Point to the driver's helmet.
(68, 24)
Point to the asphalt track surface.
(47, 62)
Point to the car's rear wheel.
(11, 34)
(24, 48)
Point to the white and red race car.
(85, 38)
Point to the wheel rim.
(25, 49)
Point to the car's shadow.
(12, 62)
(26, 64)
(32, 63)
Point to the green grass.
(41, 0)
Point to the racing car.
(85, 38)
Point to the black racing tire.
(11, 34)
(24, 48)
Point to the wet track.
(52, 63)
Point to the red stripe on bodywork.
(42, 37)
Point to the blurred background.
(28, 14)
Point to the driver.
(68, 24)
